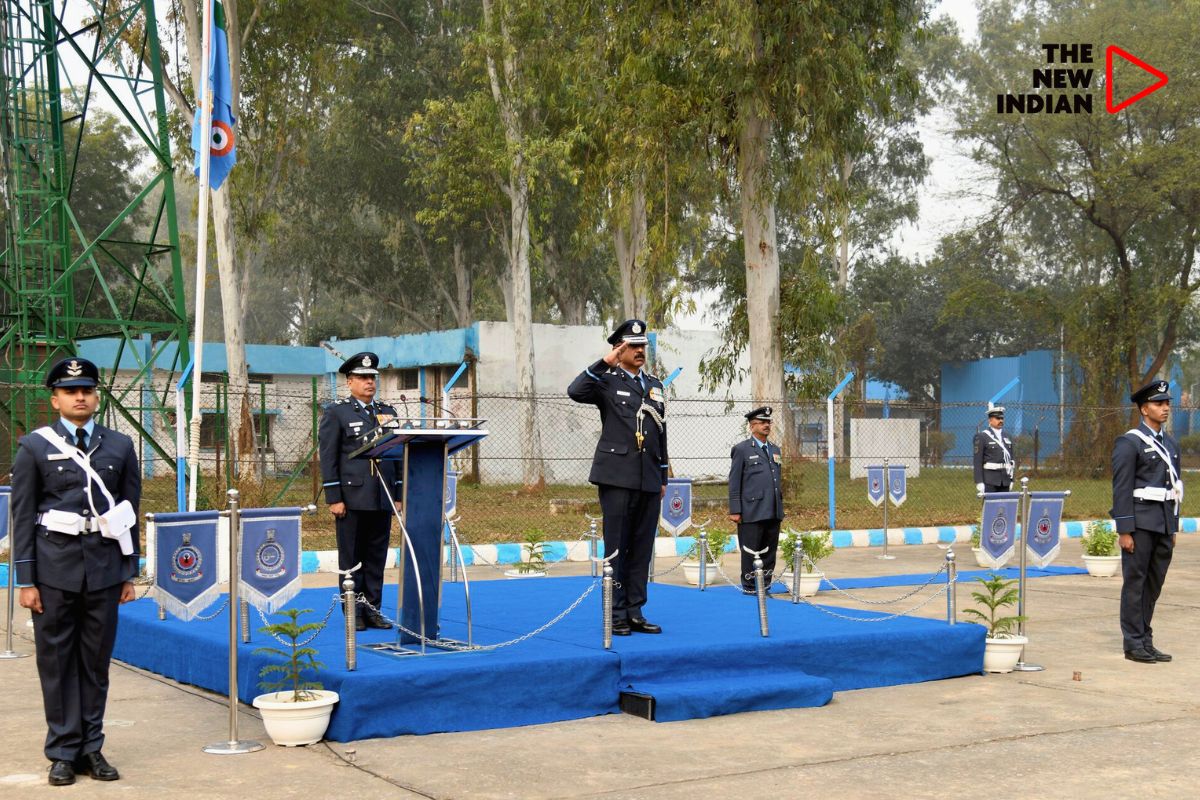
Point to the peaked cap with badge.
(365, 363)
(72, 372)
(762, 413)
(631, 331)
(1156, 389)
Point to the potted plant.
(977, 547)
(718, 542)
(1101, 555)
(294, 710)
(534, 564)
(813, 546)
(1002, 647)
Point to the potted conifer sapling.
(295, 710)
(1002, 648)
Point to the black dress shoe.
(1159, 655)
(620, 627)
(376, 620)
(96, 765)
(1141, 655)
(360, 624)
(62, 773)
(642, 625)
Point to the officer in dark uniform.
(1147, 491)
(756, 496)
(71, 577)
(630, 465)
(359, 504)
(994, 463)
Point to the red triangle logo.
(1137, 62)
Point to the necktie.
(81, 438)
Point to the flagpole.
(206, 113)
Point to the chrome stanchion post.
(349, 612)
(244, 615)
(9, 607)
(162, 612)
(703, 559)
(233, 745)
(760, 589)
(797, 555)
(1026, 501)
(951, 587)
(606, 600)
(594, 546)
(887, 496)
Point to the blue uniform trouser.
(1144, 571)
(362, 538)
(630, 525)
(74, 638)
(756, 536)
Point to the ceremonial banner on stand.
(998, 531)
(676, 513)
(897, 483)
(1045, 514)
(451, 493)
(5, 513)
(185, 562)
(876, 488)
(270, 557)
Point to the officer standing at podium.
(71, 576)
(629, 467)
(359, 504)
(756, 496)
(1147, 492)
(994, 464)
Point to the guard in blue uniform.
(72, 576)
(629, 467)
(1147, 492)
(994, 462)
(756, 496)
(356, 498)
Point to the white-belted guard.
(1147, 492)
(756, 496)
(360, 506)
(994, 462)
(629, 467)
(74, 563)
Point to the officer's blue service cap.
(72, 372)
(762, 412)
(631, 331)
(360, 364)
(996, 411)
(1156, 389)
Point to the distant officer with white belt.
(75, 492)
(1147, 492)
(994, 462)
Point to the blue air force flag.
(1045, 513)
(676, 514)
(5, 509)
(221, 140)
(876, 488)
(897, 483)
(998, 530)
(270, 557)
(185, 562)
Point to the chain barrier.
(325, 621)
(715, 561)
(883, 618)
(904, 596)
(215, 614)
(445, 645)
(147, 583)
(678, 564)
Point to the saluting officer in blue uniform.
(1147, 491)
(629, 467)
(756, 496)
(70, 576)
(360, 506)
(994, 463)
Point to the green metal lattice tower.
(71, 274)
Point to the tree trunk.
(629, 239)
(462, 283)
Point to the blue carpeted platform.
(711, 660)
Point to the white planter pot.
(1102, 566)
(810, 582)
(691, 572)
(516, 573)
(978, 552)
(292, 724)
(1001, 655)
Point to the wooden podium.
(424, 447)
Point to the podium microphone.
(407, 414)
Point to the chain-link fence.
(1056, 447)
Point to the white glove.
(979, 488)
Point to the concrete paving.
(1119, 730)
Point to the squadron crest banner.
(270, 557)
(1045, 514)
(185, 573)
(897, 483)
(676, 514)
(999, 528)
(876, 488)
(451, 493)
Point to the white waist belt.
(995, 465)
(67, 522)
(1155, 494)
